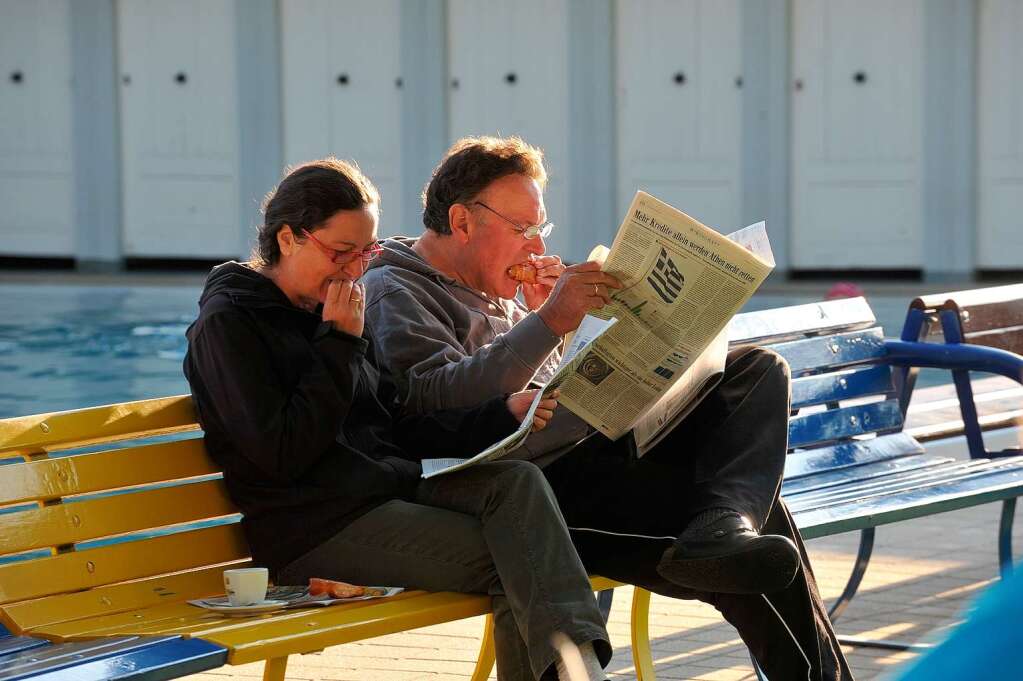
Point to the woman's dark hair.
(308, 196)
(470, 165)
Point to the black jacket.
(295, 414)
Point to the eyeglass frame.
(543, 230)
(339, 257)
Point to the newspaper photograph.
(682, 282)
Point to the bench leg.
(274, 668)
(604, 600)
(485, 661)
(1005, 537)
(642, 658)
(859, 569)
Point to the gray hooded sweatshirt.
(447, 345)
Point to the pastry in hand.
(523, 272)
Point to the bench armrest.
(954, 357)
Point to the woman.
(294, 411)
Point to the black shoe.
(730, 556)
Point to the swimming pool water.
(66, 347)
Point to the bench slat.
(15, 644)
(849, 454)
(970, 298)
(1010, 339)
(77, 521)
(791, 489)
(796, 321)
(63, 476)
(822, 388)
(917, 503)
(30, 615)
(815, 354)
(135, 658)
(111, 564)
(844, 423)
(952, 473)
(79, 427)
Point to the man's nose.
(536, 245)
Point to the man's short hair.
(469, 166)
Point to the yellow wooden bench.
(112, 517)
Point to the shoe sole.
(769, 565)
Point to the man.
(699, 515)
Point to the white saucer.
(254, 609)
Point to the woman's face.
(308, 261)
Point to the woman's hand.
(518, 405)
(344, 306)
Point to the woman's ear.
(286, 240)
(458, 219)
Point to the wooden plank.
(10, 645)
(916, 504)
(895, 487)
(808, 391)
(828, 352)
(77, 521)
(139, 658)
(788, 323)
(850, 454)
(109, 600)
(844, 423)
(791, 489)
(131, 560)
(48, 479)
(333, 626)
(970, 297)
(79, 427)
(1010, 338)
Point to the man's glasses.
(344, 257)
(543, 230)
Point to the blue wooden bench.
(851, 466)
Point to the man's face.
(495, 243)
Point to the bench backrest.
(99, 496)
(845, 400)
(992, 317)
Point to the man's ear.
(458, 220)
(286, 240)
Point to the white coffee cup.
(246, 586)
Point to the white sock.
(581, 666)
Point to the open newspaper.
(682, 282)
(644, 361)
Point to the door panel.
(179, 118)
(1000, 119)
(342, 93)
(679, 98)
(36, 182)
(857, 134)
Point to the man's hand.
(518, 405)
(344, 306)
(580, 288)
(548, 269)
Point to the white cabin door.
(342, 91)
(36, 183)
(857, 134)
(178, 88)
(508, 75)
(679, 92)
(1000, 122)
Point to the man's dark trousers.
(730, 452)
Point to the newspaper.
(576, 352)
(682, 282)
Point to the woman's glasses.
(344, 257)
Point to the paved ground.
(922, 575)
